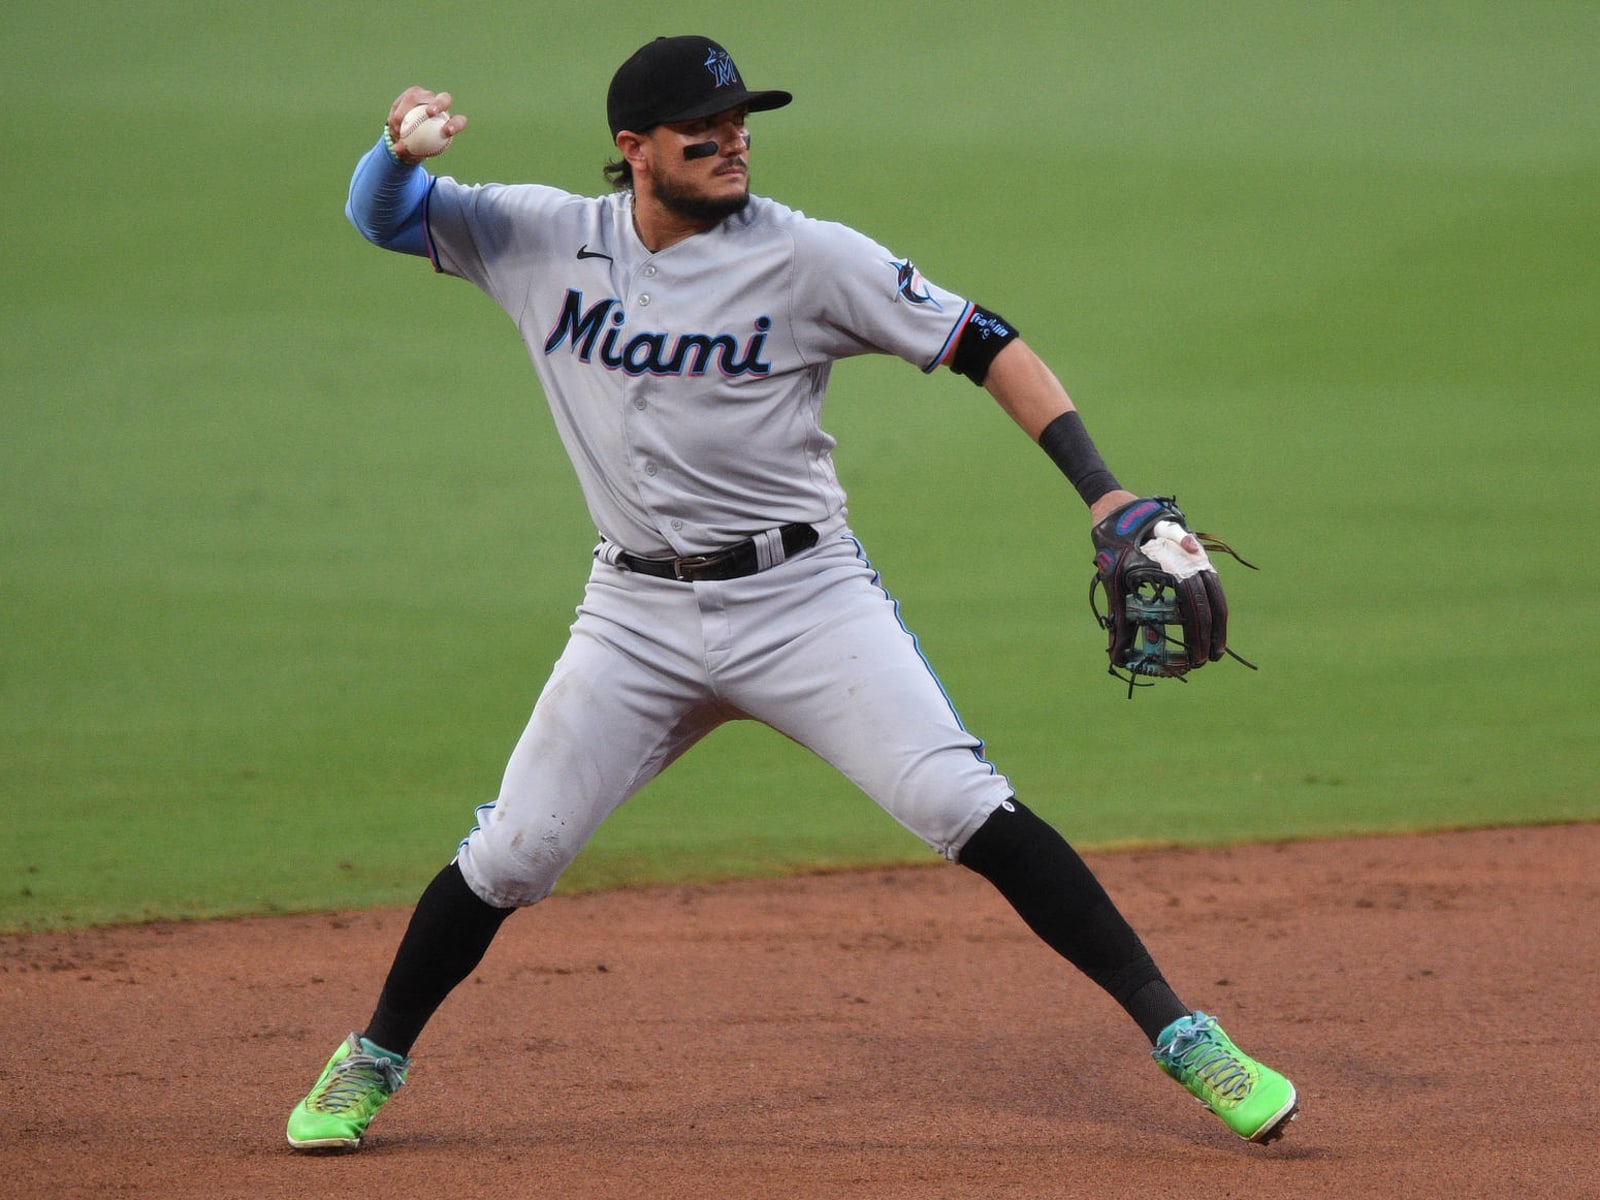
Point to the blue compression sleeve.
(386, 200)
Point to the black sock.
(1054, 891)
(447, 937)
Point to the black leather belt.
(732, 563)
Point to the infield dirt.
(892, 1033)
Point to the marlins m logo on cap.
(720, 64)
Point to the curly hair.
(619, 175)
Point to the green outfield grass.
(287, 543)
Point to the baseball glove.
(1165, 612)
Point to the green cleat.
(358, 1080)
(1252, 1099)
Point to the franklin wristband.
(983, 336)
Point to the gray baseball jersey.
(687, 385)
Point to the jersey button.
(640, 403)
(649, 468)
(677, 524)
(644, 300)
(650, 271)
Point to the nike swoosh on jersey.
(584, 252)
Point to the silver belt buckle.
(689, 563)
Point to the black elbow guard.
(983, 336)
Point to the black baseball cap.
(679, 79)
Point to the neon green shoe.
(358, 1080)
(1252, 1099)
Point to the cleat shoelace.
(353, 1078)
(1195, 1051)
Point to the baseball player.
(683, 331)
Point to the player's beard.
(696, 207)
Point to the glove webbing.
(1161, 612)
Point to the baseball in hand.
(422, 134)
